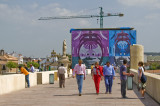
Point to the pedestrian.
(141, 84)
(92, 66)
(109, 75)
(32, 68)
(61, 74)
(92, 69)
(80, 71)
(26, 73)
(97, 75)
(25, 66)
(123, 78)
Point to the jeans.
(27, 80)
(108, 83)
(80, 82)
(123, 88)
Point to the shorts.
(141, 86)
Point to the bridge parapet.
(153, 84)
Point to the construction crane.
(101, 15)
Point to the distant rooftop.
(153, 58)
(152, 53)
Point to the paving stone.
(52, 95)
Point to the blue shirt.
(32, 69)
(108, 70)
(123, 68)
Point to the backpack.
(143, 78)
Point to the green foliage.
(11, 65)
(21, 65)
(154, 66)
(158, 67)
(36, 65)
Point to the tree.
(33, 63)
(11, 65)
(158, 67)
(154, 66)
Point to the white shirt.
(140, 68)
(62, 70)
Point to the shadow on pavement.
(51, 87)
(67, 95)
(91, 94)
(148, 101)
(115, 98)
(78, 94)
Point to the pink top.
(79, 69)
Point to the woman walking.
(97, 76)
(141, 81)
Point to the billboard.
(102, 46)
(120, 41)
(90, 46)
(119, 45)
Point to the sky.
(22, 32)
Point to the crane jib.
(101, 15)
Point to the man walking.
(123, 77)
(26, 73)
(109, 75)
(80, 71)
(61, 71)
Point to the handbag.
(143, 78)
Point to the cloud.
(141, 3)
(34, 6)
(54, 9)
(153, 16)
(17, 14)
(11, 14)
(83, 23)
(21, 22)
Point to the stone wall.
(33, 79)
(43, 77)
(153, 84)
(10, 83)
(15, 82)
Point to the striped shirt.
(79, 69)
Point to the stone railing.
(9, 83)
(15, 82)
(153, 84)
(43, 77)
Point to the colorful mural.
(120, 41)
(90, 46)
(102, 45)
